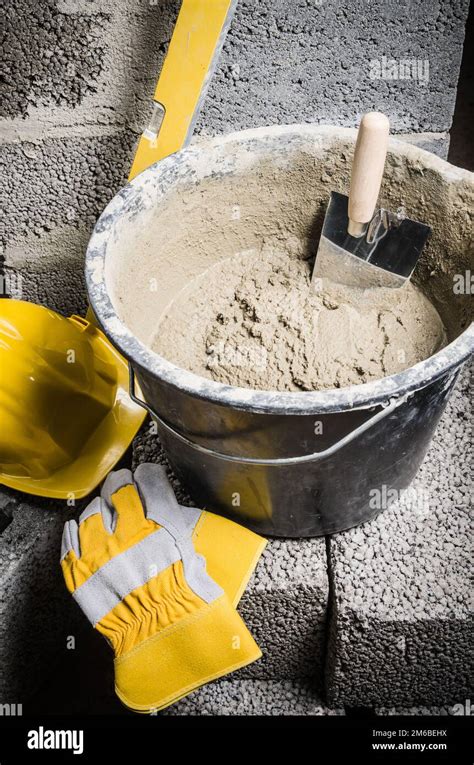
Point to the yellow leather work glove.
(132, 567)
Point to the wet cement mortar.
(257, 321)
(232, 257)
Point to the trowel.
(362, 246)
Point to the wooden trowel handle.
(367, 170)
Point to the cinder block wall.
(80, 74)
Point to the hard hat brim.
(105, 446)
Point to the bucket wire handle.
(134, 396)
(314, 457)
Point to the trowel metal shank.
(383, 257)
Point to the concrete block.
(59, 182)
(51, 56)
(233, 697)
(401, 615)
(36, 611)
(61, 288)
(285, 609)
(437, 143)
(55, 194)
(323, 62)
(285, 603)
(92, 61)
(311, 60)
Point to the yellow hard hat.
(65, 414)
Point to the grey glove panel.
(70, 540)
(160, 502)
(117, 578)
(161, 505)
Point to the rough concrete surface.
(61, 182)
(35, 607)
(437, 143)
(401, 586)
(253, 697)
(310, 58)
(317, 59)
(274, 698)
(54, 196)
(51, 56)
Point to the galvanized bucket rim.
(365, 395)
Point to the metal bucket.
(285, 464)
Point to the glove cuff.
(206, 645)
(231, 552)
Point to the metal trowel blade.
(384, 256)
